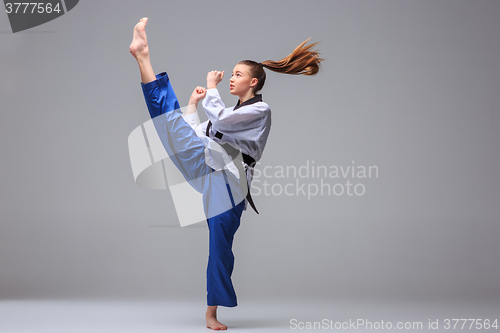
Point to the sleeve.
(194, 121)
(245, 123)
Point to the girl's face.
(241, 81)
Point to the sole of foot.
(139, 45)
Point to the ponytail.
(302, 61)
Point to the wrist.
(211, 86)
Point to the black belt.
(251, 162)
(217, 135)
(246, 158)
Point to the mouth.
(231, 86)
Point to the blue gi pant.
(187, 152)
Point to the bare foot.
(139, 45)
(214, 324)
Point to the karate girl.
(245, 126)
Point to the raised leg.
(140, 50)
(184, 147)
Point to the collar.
(256, 98)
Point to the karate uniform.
(248, 128)
(245, 126)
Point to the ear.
(253, 82)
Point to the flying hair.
(302, 61)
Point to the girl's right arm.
(197, 95)
(194, 121)
(191, 117)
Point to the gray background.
(408, 86)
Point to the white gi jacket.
(244, 125)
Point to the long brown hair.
(303, 60)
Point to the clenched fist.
(213, 78)
(198, 94)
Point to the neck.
(246, 97)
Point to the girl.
(243, 128)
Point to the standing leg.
(220, 290)
(222, 228)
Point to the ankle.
(211, 314)
(143, 57)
